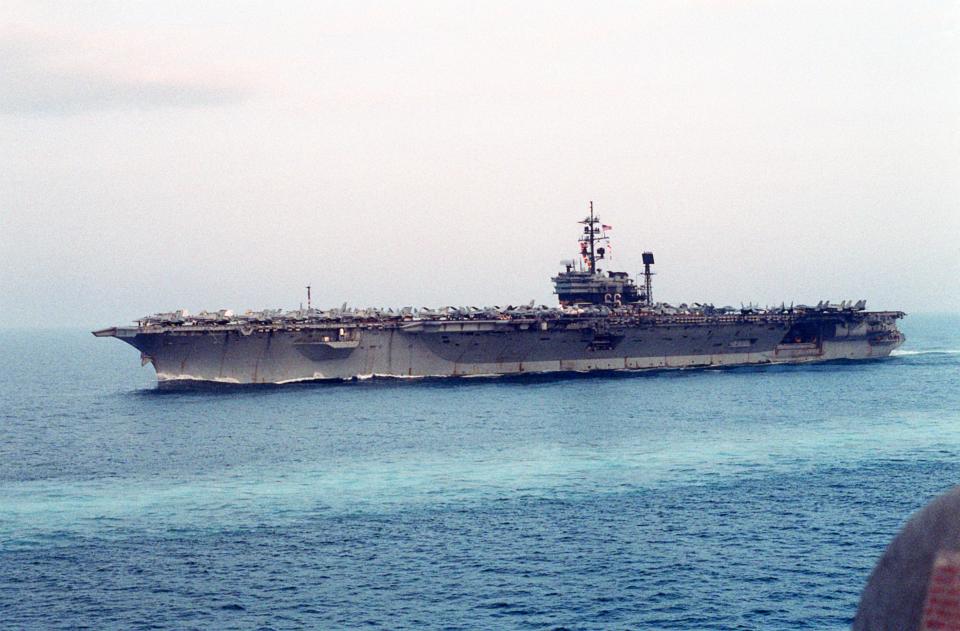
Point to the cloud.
(44, 74)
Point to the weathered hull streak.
(439, 348)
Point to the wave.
(165, 377)
(902, 353)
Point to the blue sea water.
(751, 498)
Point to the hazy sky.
(159, 155)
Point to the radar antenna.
(648, 277)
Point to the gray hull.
(437, 348)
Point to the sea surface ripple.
(749, 498)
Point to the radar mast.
(593, 242)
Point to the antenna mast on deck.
(308, 298)
(648, 277)
(592, 235)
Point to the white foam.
(316, 377)
(165, 376)
(902, 353)
(389, 376)
(364, 377)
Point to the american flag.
(606, 227)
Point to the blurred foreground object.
(916, 583)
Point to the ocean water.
(750, 498)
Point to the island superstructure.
(604, 321)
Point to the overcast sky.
(160, 155)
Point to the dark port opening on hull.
(804, 333)
(605, 342)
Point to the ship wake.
(909, 353)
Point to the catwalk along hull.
(446, 348)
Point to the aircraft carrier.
(604, 321)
